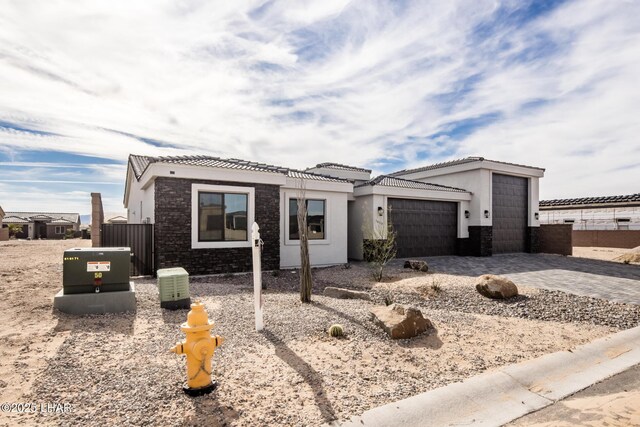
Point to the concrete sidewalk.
(498, 397)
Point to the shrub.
(14, 229)
(388, 299)
(435, 285)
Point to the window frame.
(196, 189)
(287, 219)
(224, 214)
(61, 227)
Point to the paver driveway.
(601, 279)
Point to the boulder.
(417, 265)
(400, 322)
(342, 293)
(496, 287)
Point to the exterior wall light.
(486, 213)
(467, 214)
(536, 215)
(380, 211)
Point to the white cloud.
(297, 83)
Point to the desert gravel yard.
(117, 369)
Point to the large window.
(222, 217)
(315, 219)
(60, 229)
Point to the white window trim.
(327, 236)
(60, 227)
(195, 190)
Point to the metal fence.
(138, 237)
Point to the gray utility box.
(173, 288)
(85, 269)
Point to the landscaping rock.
(417, 265)
(400, 322)
(496, 287)
(342, 293)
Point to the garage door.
(424, 227)
(510, 203)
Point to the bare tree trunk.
(305, 265)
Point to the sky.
(385, 85)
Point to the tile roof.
(390, 181)
(61, 221)
(457, 162)
(41, 216)
(139, 164)
(630, 198)
(341, 167)
(12, 219)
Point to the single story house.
(115, 219)
(203, 207)
(4, 231)
(593, 213)
(43, 225)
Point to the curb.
(498, 397)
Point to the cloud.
(387, 85)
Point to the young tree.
(14, 229)
(379, 245)
(306, 282)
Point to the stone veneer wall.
(533, 240)
(173, 230)
(480, 241)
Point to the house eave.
(411, 193)
(506, 168)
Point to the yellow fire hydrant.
(199, 347)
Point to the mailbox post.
(257, 275)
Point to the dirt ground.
(605, 254)
(612, 402)
(30, 275)
(116, 369)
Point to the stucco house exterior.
(203, 208)
(502, 215)
(4, 230)
(43, 225)
(594, 213)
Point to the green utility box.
(173, 287)
(90, 270)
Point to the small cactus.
(336, 330)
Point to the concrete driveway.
(594, 278)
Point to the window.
(623, 223)
(222, 217)
(59, 229)
(315, 219)
(569, 221)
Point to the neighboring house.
(43, 225)
(117, 219)
(203, 208)
(4, 229)
(594, 213)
